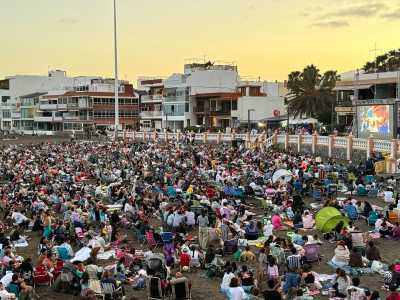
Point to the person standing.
(203, 223)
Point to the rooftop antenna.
(375, 50)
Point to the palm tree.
(310, 93)
(389, 61)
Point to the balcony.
(152, 98)
(48, 106)
(48, 119)
(213, 111)
(151, 114)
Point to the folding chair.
(312, 253)
(181, 289)
(154, 290)
(41, 276)
(151, 242)
(108, 289)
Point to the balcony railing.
(151, 114)
(151, 98)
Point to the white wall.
(26, 84)
(263, 107)
(213, 81)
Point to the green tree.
(310, 93)
(387, 62)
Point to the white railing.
(293, 139)
(151, 114)
(382, 146)
(360, 144)
(307, 139)
(348, 143)
(322, 140)
(340, 142)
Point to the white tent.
(297, 121)
(282, 175)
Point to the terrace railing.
(333, 146)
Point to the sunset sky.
(266, 38)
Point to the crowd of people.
(108, 219)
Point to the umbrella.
(282, 175)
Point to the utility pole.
(116, 85)
(375, 50)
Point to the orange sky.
(265, 38)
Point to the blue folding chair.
(317, 195)
(167, 237)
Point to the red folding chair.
(151, 242)
(41, 276)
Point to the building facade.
(60, 103)
(368, 103)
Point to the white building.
(261, 100)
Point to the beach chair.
(373, 193)
(41, 276)
(181, 290)
(317, 195)
(373, 216)
(312, 253)
(154, 290)
(362, 191)
(351, 212)
(140, 237)
(167, 237)
(110, 291)
(150, 240)
(264, 203)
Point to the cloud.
(69, 21)
(331, 24)
(394, 15)
(361, 10)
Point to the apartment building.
(61, 103)
(368, 103)
(151, 107)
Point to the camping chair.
(312, 253)
(264, 203)
(362, 191)
(139, 236)
(167, 237)
(373, 216)
(13, 288)
(351, 212)
(154, 290)
(373, 193)
(109, 289)
(63, 253)
(181, 289)
(41, 276)
(151, 242)
(317, 195)
(58, 268)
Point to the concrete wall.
(213, 81)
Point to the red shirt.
(393, 296)
(184, 259)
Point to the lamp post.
(116, 87)
(248, 119)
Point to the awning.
(352, 87)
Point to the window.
(6, 114)
(73, 126)
(234, 105)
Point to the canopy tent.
(282, 175)
(298, 121)
(328, 217)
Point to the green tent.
(328, 217)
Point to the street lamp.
(116, 103)
(248, 119)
